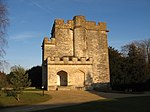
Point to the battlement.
(91, 25)
(49, 41)
(69, 61)
(59, 23)
(80, 21)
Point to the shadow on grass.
(130, 104)
(127, 104)
(31, 108)
(117, 94)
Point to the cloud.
(24, 36)
(35, 3)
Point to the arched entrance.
(62, 79)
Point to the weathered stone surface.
(76, 55)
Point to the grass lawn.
(130, 104)
(26, 98)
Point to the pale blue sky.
(32, 20)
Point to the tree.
(35, 74)
(137, 68)
(19, 79)
(145, 46)
(117, 69)
(3, 80)
(129, 70)
(3, 24)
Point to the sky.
(31, 20)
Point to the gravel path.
(65, 98)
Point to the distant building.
(76, 56)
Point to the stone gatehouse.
(76, 55)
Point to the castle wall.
(48, 48)
(71, 44)
(79, 73)
(79, 36)
(98, 49)
(64, 42)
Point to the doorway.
(62, 78)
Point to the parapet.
(49, 41)
(80, 21)
(59, 23)
(68, 61)
(91, 25)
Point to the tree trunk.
(18, 97)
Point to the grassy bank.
(26, 98)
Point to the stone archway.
(62, 78)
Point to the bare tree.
(143, 46)
(3, 24)
(146, 49)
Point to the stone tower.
(76, 55)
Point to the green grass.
(130, 104)
(26, 98)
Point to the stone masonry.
(76, 55)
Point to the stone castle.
(76, 55)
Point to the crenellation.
(71, 22)
(65, 60)
(49, 59)
(79, 21)
(46, 39)
(56, 59)
(91, 23)
(90, 59)
(52, 40)
(64, 26)
(74, 59)
(59, 22)
(49, 41)
(102, 26)
(83, 59)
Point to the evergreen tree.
(129, 70)
(19, 79)
(117, 68)
(138, 71)
(3, 80)
(35, 74)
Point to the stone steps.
(70, 88)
